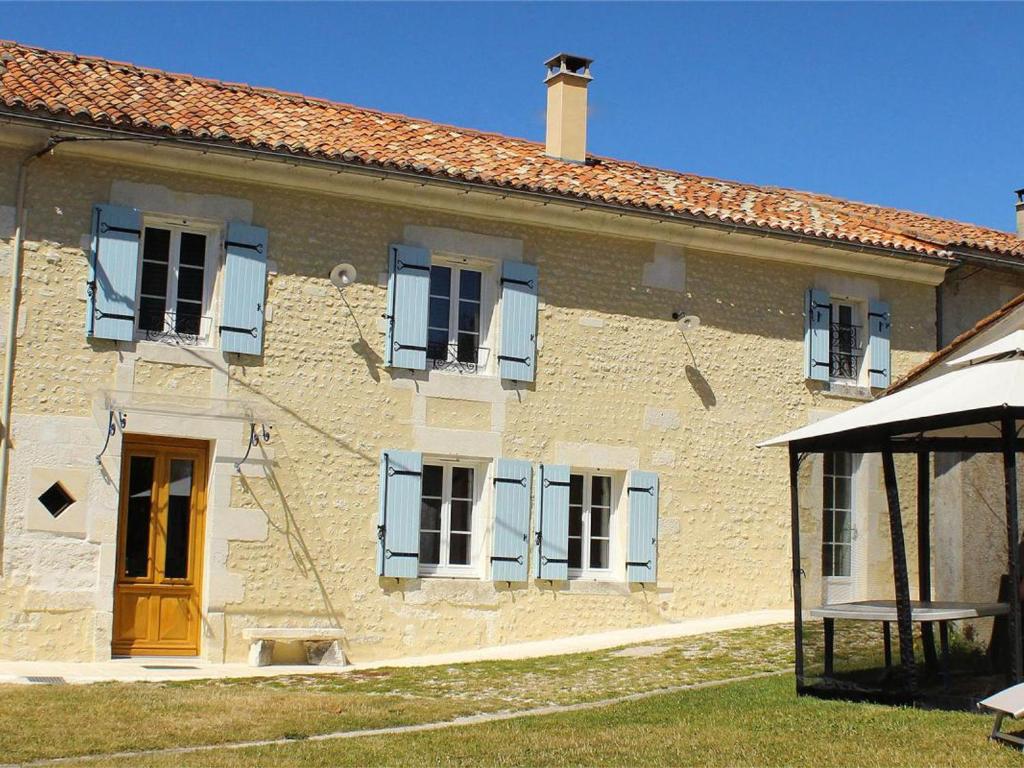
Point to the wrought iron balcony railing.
(456, 357)
(184, 329)
(845, 345)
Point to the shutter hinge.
(104, 228)
(527, 283)
(503, 559)
(399, 264)
(638, 489)
(388, 554)
(517, 480)
(258, 247)
(523, 360)
(410, 472)
(638, 564)
(882, 371)
(559, 483)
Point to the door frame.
(131, 445)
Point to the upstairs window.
(846, 341)
(176, 279)
(454, 323)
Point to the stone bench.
(322, 644)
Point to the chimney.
(1020, 212)
(567, 81)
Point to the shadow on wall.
(701, 387)
(289, 529)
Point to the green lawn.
(758, 723)
(752, 722)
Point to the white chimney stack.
(1020, 212)
(567, 80)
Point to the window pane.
(140, 497)
(599, 553)
(469, 285)
(193, 249)
(179, 509)
(430, 515)
(190, 284)
(575, 489)
(828, 527)
(467, 347)
(841, 560)
(462, 483)
(458, 549)
(440, 282)
(151, 314)
(575, 521)
(461, 516)
(843, 496)
(828, 500)
(437, 345)
(156, 244)
(469, 316)
(601, 491)
(188, 319)
(842, 464)
(842, 527)
(433, 478)
(154, 279)
(430, 548)
(575, 553)
(439, 308)
(599, 522)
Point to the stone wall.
(291, 539)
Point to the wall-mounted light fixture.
(686, 322)
(343, 275)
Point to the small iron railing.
(182, 328)
(846, 350)
(452, 358)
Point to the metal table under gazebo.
(975, 405)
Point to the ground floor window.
(837, 509)
(446, 518)
(590, 519)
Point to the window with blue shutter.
(642, 554)
(817, 317)
(517, 357)
(510, 543)
(408, 299)
(245, 289)
(398, 524)
(113, 273)
(551, 537)
(879, 328)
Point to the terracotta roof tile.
(121, 95)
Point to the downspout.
(10, 343)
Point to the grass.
(750, 723)
(58, 721)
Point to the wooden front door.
(160, 547)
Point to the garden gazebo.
(973, 403)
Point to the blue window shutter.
(510, 545)
(408, 299)
(113, 273)
(245, 289)
(879, 327)
(517, 359)
(642, 554)
(398, 525)
(817, 354)
(551, 540)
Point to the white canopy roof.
(988, 378)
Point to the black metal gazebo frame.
(987, 430)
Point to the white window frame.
(859, 310)
(614, 534)
(851, 510)
(472, 569)
(214, 257)
(487, 352)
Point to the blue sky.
(919, 106)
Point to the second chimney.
(1020, 212)
(567, 81)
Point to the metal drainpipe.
(10, 343)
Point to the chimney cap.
(568, 64)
